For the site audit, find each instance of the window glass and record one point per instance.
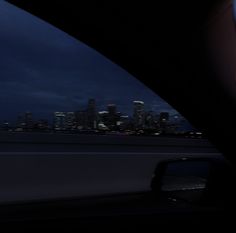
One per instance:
(52, 83)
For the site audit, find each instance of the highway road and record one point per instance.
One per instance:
(40, 166)
(49, 142)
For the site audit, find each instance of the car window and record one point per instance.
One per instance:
(74, 124)
(51, 83)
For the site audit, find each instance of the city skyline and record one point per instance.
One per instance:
(99, 108)
(56, 72)
(142, 121)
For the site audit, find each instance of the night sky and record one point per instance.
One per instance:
(43, 70)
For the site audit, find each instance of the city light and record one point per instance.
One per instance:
(105, 121)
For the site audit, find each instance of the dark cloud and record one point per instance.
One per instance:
(43, 69)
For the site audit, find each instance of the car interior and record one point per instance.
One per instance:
(185, 51)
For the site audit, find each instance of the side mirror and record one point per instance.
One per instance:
(193, 180)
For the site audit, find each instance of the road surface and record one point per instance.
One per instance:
(43, 166)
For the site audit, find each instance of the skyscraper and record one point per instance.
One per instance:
(59, 121)
(149, 120)
(164, 120)
(139, 114)
(112, 116)
(91, 114)
(124, 122)
(164, 116)
(20, 123)
(70, 121)
(28, 121)
(111, 108)
(81, 119)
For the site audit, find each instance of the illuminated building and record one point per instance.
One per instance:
(70, 120)
(41, 125)
(139, 114)
(91, 114)
(59, 121)
(81, 120)
(164, 120)
(112, 116)
(164, 117)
